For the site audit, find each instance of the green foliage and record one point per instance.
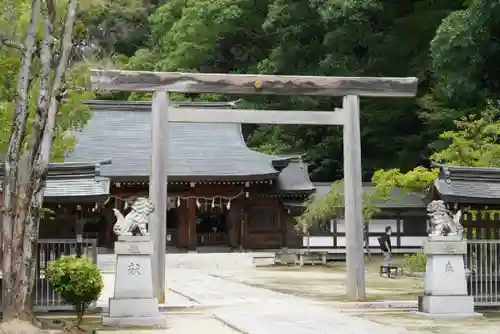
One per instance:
(208, 35)
(416, 180)
(115, 27)
(473, 142)
(464, 49)
(77, 280)
(331, 206)
(72, 113)
(451, 46)
(415, 263)
(346, 37)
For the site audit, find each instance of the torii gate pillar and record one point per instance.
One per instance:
(158, 190)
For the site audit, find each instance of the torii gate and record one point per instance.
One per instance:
(160, 83)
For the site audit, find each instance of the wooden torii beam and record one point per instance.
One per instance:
(141, 81)
(250, 116)
(350, 87)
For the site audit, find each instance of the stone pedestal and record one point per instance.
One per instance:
(133, 302)
(445, 292)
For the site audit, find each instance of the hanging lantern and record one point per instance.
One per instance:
(213, 203)
(178, 202)
(228, 206)
(198, 204)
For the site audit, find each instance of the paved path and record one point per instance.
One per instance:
(173, 300)
(254, 310)
(205, 261)
(192, 280)
(187, 324)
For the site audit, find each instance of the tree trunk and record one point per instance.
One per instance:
(24, 178)
(38, 172)
(47, 106)
(15, 281)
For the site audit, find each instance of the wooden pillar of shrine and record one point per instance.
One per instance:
(243, 228)
(110, 219)
(283, 219)
(191, 224)
(182, 232)
(186, 233)
(245, 205)
(234, 223)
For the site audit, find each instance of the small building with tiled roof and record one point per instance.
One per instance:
(404, 213)
(72, 190)
(475, 190)
(468, 186)
(221, 192)
(74, 182)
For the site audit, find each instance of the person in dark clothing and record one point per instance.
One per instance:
(386, 247)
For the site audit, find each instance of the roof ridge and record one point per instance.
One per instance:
(72, 169)
(469, 173)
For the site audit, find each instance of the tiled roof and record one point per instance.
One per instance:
(120, 132)
(61, 189)
(295, 178)
(397, 199)
(72, 182)
(468, 185)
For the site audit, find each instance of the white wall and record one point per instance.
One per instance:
(341, 242)
(318, 241)
(327, 241)
(375, 225)
(413, 241)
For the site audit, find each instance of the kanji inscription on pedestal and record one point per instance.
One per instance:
(134, 269)
(449, 268)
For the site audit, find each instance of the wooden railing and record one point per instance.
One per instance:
(212, 239)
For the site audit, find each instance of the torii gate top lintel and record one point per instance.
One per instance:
(252, 84)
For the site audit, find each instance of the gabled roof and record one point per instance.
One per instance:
(74, 182)
(295, 178)
(467, 185)
(397, 199)
(120, 131)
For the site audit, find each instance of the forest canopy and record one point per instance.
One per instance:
(451, 46)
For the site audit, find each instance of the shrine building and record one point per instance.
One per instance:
(220, 192)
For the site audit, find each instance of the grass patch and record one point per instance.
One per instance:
(328, 282)
(88, 325)
(493, 315)
(65, 323)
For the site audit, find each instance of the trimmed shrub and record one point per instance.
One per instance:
(77, 280)
(415, 263)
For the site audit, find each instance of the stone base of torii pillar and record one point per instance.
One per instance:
(133, 302)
